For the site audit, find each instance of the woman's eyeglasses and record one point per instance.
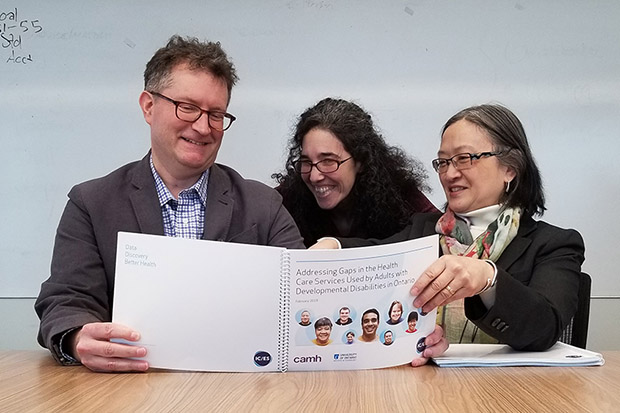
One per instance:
(304, 166)
(461, 161)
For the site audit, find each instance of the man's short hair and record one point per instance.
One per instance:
(371, 310)
(206, 56)
(321, 322)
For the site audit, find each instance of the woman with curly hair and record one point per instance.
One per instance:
(342, 179)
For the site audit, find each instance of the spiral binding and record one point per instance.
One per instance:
(284, 311)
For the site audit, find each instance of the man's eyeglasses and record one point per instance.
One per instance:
(325, 166)
(461, 161)
(189, 112)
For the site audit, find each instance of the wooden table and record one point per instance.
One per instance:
(30, 381)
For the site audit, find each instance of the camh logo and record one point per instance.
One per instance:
(307, 359)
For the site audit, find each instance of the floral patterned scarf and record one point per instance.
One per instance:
(456, 239)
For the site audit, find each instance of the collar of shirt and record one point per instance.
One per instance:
(480, 219)
(164, 194)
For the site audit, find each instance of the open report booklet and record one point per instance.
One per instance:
(502, 355)
(215, 306)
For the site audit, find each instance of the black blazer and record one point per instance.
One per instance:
(537, 282)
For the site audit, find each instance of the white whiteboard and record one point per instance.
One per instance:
(70, 113)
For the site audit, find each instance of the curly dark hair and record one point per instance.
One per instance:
(387, 188)
(207, 56)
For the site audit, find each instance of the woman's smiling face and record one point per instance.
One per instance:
(481, 185)
(397, 311)
(329, 189)
(322, 334)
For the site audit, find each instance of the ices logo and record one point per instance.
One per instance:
(421, 346)
(262, 358)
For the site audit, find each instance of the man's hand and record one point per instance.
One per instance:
(91, 346)
(436, 345)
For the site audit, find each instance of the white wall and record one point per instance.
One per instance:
(71, 113)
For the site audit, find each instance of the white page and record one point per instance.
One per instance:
(490, 355)
(199, 305)
(323, 281)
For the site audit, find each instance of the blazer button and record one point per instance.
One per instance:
(495, 322)
(505, 328)
(500, 325)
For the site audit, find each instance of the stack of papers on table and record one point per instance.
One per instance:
(496, 355)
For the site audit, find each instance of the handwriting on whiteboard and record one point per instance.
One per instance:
(12, 27)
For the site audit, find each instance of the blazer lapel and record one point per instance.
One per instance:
(144, 200)
(429, 227)
(518, 245)
(219, 210)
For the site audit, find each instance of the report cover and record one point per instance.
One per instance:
(215, 306)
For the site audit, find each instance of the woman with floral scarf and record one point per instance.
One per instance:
(503, 276)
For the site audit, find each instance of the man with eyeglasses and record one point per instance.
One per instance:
(177, 189)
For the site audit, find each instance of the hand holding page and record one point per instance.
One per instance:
(215, 306)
